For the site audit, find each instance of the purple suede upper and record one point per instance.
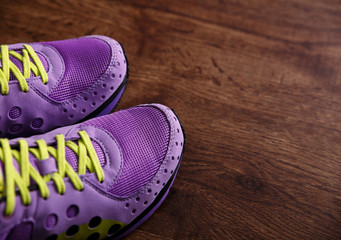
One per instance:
(139, 149)
(83, 74)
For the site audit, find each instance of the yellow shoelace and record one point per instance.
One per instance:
(12, 181)
(7, 65)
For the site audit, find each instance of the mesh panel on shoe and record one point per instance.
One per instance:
(14, 112)
(50, 221)
(143, 135)
(86, 59)
(37, 122)
(72, 211)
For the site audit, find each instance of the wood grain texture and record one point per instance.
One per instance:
(257, 85)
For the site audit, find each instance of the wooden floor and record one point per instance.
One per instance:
(257, 85)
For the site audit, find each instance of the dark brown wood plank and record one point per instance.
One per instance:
(257, 85)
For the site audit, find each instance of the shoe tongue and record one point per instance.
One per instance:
(19, 64)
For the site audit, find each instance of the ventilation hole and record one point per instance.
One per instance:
(72, 230)
(113, 75)
(172, 157)
(149, 190)
(155, 194)
(114, 228)
(163, 184)
(120, 76)
(51, 221)
(127, 205)
(133, 211)
(72, 211)
(175, 118)
(118, 64)
(94, 236)
(145, 203)
(158, 182)
(52, 237)
(178, 130)
(138, 199)
(74, 105)
(93, 104)
(176, 143)
(15, 128)
(95, 221)
(37, 123)
(120, 51)
(111, 88)
(64, 110)
(83, 110)
(95, 93)
(102, 96)
(85, 98)
(124, 61)
(178, 157)
(15, 112)
(165, 170)
(71, 116)
(181, 143)
(104, 85)
(172, 172)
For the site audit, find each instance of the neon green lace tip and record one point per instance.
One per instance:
(8, 66)
(19, 180)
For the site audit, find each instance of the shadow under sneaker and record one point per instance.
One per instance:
(99, 179)
(52, 84)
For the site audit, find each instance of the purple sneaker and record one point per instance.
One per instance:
(52, 84)
(99, 179)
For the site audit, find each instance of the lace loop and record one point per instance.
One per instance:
(7, 65)
(12, 178)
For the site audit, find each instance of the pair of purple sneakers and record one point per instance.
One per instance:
(86, 176)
